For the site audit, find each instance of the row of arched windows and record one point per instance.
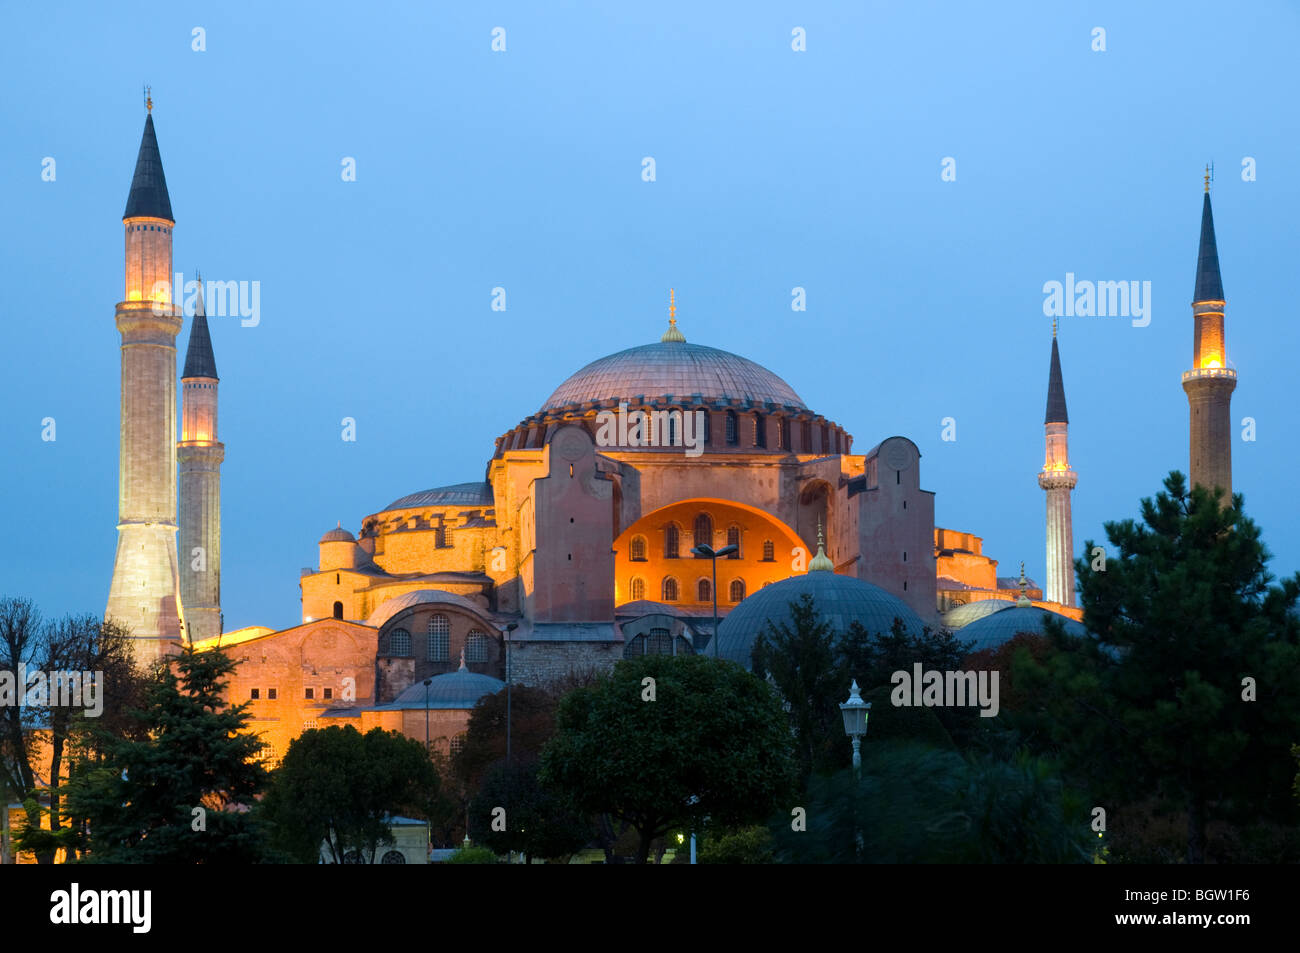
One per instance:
(438, 645)
(670, 591)
(703, 536)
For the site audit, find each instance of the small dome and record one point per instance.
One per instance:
(457, 494)
(457, 690)
(1000, 627)
(841, 600)
(959, 616)
(338, 535)
(673, 368)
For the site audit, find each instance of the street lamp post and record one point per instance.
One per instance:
(855, 712)
(708, 553)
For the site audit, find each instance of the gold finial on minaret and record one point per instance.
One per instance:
(1209, 173)
(148, 99)
(1053, 327)
(672, 334)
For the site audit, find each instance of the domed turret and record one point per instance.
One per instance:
(339, 550)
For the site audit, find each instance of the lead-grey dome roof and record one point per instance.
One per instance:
(840, 600)
(673, 368)
(1001, 627)
(457, 494)
(456, 690)
(963, 615)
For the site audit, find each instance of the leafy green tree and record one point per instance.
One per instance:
(532, 724)
(182, 794)
(1191, 693)
(918, 804)
(472, 855)
(665, 741)
(748, 845)
(336, 788)
(538, 822)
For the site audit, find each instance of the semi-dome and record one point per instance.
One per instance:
(959, 616)
(840, 601)
(457, 494)
(998, 628)
(457, 690)
(420, 597)
(673, 369)
(338, 535)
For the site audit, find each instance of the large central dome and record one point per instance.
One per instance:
(673, 369)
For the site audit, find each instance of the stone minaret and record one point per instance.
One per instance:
(200, 455)
(1210, 382)
(1057, 479)
(145, 594)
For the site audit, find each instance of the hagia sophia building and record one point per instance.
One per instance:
(578, 547)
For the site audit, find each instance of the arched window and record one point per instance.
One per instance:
(634, 646)
(703, 435)
(805, 436)
(393, 857)
(476, 646)
(731, 428)
(769, 551)
(733, 539)
(636, 552)
(338, 610)
(703, 530)
(826, 439)
(457, 743)
(737, 590)
(399, 643)
(783, 433)
(439, 638)
(673, 416)
(670, 541)
(704, 591)
(760, 431)
(670, 589)
(660, 643)
(638, 588)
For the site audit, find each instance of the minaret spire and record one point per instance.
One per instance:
(1210, 382)
(200, 454)
(145, 592)
(1058, 480)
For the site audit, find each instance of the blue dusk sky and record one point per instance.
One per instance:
(522, 169)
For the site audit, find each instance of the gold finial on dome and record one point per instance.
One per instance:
(672, 334)
(821, 562)
(1023, 602)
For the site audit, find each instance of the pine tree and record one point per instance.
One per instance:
(184, 793)
(1191, 693)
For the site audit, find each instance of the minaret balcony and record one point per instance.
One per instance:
(1208, 372)
(1052, 479)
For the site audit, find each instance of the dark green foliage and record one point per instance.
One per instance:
(336, 788)
(138, 804)
(748, 845)
(917, 804)
(472, 855)
(1186, 607)
(714, 742)
(538, 821)
(813, 671)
